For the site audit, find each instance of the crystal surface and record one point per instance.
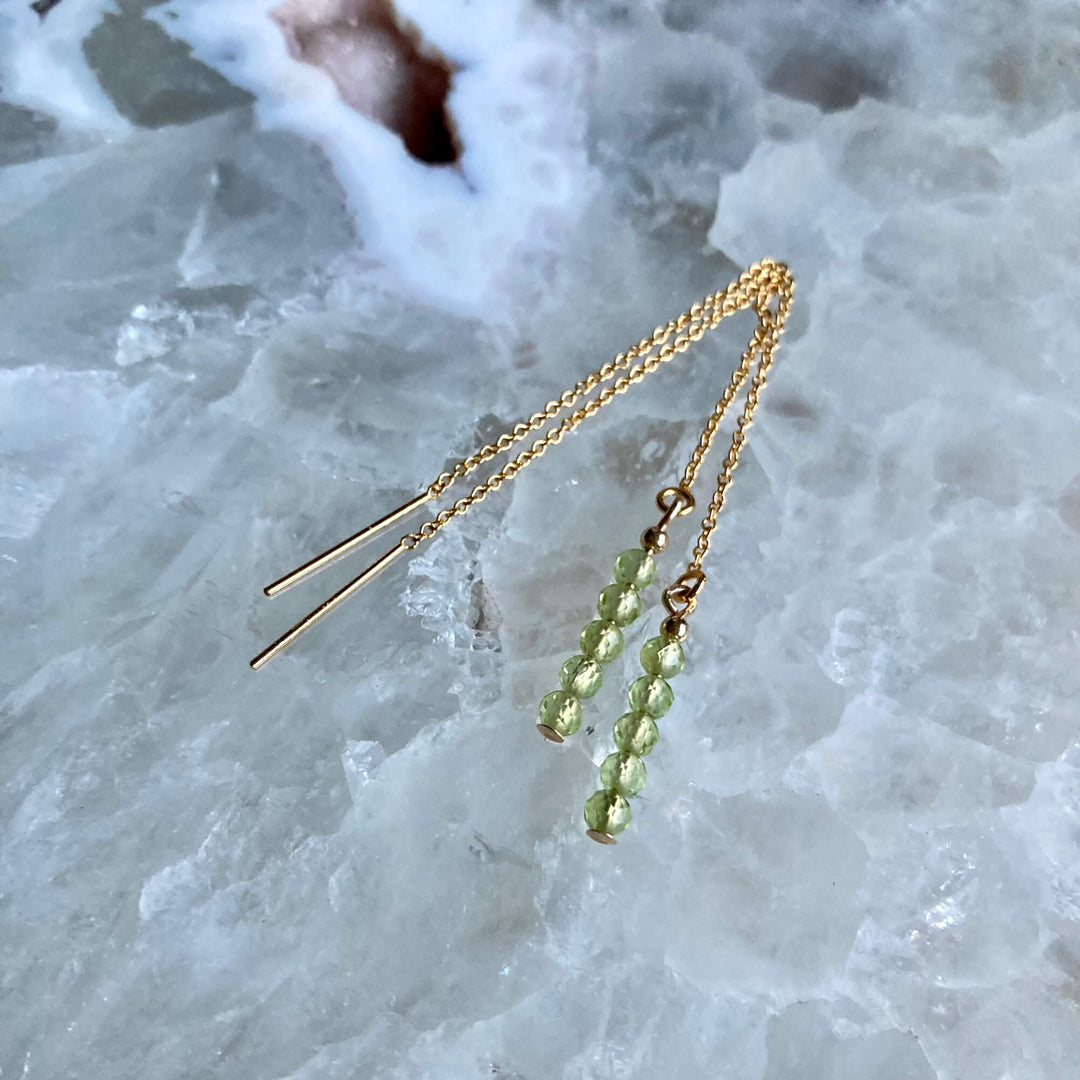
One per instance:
(239, 321)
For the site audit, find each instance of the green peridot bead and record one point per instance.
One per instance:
(561, 712)
(662, 656)
(619, 604)
(624, 773)
(635, 567)
(601, 641)
(636, 733)
(650, 694)
(581, 676)
(607, 812)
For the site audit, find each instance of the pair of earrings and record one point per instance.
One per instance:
(768, 289)
(622, 774)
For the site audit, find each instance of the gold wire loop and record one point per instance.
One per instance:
(675, 502)
(678, 503)
(680, 597)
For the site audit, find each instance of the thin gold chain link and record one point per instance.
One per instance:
(766, 340)
(757, 287)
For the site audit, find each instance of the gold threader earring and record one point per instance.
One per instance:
(768, 287)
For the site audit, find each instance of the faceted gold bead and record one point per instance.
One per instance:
(655, 539)
(581, 676)
(675, 628)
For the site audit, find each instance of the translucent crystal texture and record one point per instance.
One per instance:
(238, 321)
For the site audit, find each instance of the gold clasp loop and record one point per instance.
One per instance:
(680, 598)
(674, 502)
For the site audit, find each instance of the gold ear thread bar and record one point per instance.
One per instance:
(754, 289)
(327, 606)
(338, 551)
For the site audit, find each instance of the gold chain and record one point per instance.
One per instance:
(757, 287)
(761, 285)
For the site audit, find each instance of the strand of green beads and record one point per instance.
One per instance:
(622, 774)
(601, 641)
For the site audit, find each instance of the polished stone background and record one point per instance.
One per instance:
(238, 320)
